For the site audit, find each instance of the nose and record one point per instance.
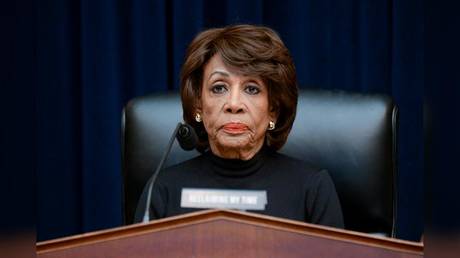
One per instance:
(234, 103)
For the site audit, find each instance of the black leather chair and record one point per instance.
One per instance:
(352, 135)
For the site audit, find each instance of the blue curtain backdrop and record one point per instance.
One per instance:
(95, 55)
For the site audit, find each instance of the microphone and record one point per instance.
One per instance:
(187, 139)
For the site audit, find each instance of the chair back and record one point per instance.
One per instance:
(352, 135)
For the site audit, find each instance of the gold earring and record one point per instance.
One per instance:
(198, 117)
(271, 125)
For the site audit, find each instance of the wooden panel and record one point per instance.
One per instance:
(227, 234)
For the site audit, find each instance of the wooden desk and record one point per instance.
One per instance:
(224, 233)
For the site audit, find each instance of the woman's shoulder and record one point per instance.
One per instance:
(294, 165)
(182, 171)
(189, 163)
(283, 160)
(292, 168)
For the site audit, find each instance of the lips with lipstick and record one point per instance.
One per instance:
(235, 128)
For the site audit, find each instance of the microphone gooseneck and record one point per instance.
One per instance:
(187, 139)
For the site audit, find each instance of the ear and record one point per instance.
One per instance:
(198, 108)
(273, 115)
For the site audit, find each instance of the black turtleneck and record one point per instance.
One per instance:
(295, 189)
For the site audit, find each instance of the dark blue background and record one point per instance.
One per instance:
(94, 55)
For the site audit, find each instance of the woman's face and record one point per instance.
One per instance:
(235, 110)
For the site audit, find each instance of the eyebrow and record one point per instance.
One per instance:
(218, 72)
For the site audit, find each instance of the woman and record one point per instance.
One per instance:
(239, 92)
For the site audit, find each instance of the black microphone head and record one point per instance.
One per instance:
(186, 136)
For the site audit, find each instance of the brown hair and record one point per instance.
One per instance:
(255, 51)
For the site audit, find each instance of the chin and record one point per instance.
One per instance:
(234, 142)
(234, 145)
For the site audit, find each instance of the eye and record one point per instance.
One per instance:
(218, 88)
(252, 89)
